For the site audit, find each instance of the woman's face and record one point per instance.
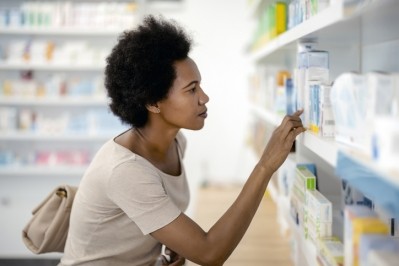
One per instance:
(184, 106)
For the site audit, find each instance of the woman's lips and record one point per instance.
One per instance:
(204, 114)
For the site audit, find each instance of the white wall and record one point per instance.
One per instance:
(221, 32)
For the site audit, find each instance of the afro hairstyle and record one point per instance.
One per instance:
(140, 68)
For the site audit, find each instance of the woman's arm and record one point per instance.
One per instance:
(185, 237)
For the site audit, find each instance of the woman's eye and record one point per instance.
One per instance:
(193, 89)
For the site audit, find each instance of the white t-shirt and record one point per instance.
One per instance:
(121, 199)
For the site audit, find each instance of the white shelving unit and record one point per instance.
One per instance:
(26, 137)
(37, 171)
(329, 16)
(64, 31)
(26, 180)
(53, 101)
(359, 37)
(51, 66)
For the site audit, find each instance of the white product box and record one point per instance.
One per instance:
(331, 250)
(351, 213)
(316, 229)
(381, 93)
(385, 146)
(312, 65)
(321, 117)
(319, 207)
(382, 258)
(348, 98)
(370, 242)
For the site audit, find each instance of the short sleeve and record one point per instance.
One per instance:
(136, 188)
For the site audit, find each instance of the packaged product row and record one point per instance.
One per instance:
(48, 158)
(52, 85)
(39, 51)
(367, 229)
(359, 110)
(277, 17)
(58, 14)
(89, 122)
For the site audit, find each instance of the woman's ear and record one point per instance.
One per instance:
(153, 109)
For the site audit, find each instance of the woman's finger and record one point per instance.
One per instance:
(298, 112)
(289, 126)
(289, 118)
(294, 133)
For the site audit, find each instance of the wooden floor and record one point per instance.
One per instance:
(261, 245)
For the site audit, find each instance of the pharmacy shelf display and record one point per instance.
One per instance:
(64, 31)
(52, 95)
(359, 36)
(52, 66)
(54, 112)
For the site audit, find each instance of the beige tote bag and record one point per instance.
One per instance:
(47, 230)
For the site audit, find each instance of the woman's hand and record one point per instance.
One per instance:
(281, 141)
(175, 259)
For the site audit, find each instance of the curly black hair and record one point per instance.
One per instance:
(140, 69)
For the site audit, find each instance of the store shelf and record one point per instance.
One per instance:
(362, 36)
(53, 101)
(336, 25)
(52, 66)
(266, 115)
(308, 250)
(22, 136)
(328, 150)
(376, 183)
(331, 15)
(325, 148)
(62, 31)
(389, 175)
(61, 132)
(25, 170)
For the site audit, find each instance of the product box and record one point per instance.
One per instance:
(381, 93)
(286, 176)
(305, 178)
(349, 104)
(290, 97)
(315, 229)
(297, 202)
(385, 148)
(280, 98)
(369, 242)
(331, 250)
(352, 196)
(321, 118)
(372, 225)
(280, 17)
(319, 207)
(382, 258)
(313, 65)
(359, 220)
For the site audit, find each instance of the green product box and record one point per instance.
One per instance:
(306, 178)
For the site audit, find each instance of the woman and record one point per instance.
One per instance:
(133, 196)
